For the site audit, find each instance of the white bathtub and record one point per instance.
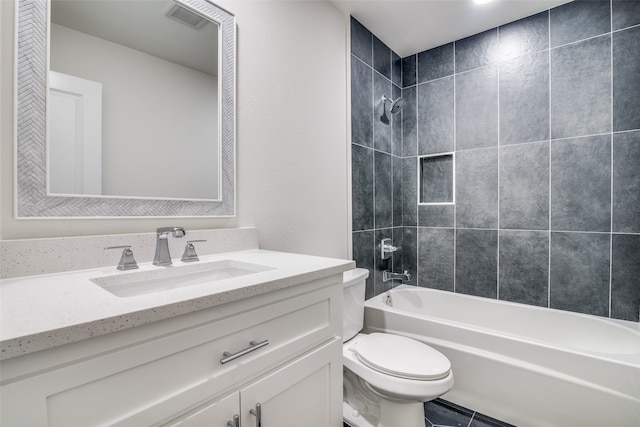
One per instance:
(525, 365)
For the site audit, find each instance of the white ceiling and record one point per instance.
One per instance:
(412, 26)
(142, 25)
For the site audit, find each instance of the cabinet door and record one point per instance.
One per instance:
(215, 414)
(307, 391)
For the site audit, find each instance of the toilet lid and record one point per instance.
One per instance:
(401, 357)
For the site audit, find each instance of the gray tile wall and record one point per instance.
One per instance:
(378, 171)
(544, 117)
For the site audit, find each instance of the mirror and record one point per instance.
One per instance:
(133, 86)
(141, 109)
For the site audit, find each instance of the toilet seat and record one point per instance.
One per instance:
(401, 357)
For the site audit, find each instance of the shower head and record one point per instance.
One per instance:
(394, 106)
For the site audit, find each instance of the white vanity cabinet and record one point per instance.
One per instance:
(169, 372)
(297, 394)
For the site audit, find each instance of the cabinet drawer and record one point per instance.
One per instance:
(149, 382)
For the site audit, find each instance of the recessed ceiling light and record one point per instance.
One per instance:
(482, 1)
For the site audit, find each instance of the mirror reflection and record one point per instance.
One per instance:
(133, 100)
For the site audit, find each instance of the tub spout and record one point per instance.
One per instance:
(388, 275)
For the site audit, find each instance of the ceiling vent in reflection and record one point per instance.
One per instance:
(184, 15)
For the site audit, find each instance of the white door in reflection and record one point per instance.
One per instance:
(75, 135)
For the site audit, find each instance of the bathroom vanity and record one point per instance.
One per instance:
(261, 348)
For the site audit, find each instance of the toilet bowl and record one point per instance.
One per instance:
(386, 377)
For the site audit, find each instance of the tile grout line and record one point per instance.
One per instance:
(612, 170)
(471, 419)
(373, 138)
(520, 56)
(374, 70)
(507, 145)
(498, 172)
(373, 162)
(418, 181)
(401, 151)
(418, 178)
(549, 159)
(455, 140)
(615, 233)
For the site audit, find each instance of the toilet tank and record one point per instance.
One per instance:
(353, 287)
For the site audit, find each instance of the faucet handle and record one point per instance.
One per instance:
(164, 232)
(387, 249)
(127, 261)
(190, 254)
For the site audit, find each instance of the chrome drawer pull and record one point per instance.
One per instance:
(228, 357)
(258, 414)
(235, 422)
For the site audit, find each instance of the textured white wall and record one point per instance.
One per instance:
(292, 141)
(291, 133)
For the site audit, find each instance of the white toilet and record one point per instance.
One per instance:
(386, 377)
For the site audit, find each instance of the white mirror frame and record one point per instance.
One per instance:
(32, 200)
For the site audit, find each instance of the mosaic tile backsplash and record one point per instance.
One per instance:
(543, 115)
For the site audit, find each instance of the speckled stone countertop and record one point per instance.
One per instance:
(45, 311)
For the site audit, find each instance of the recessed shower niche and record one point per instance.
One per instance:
(436, 179)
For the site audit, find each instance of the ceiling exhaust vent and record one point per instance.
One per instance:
(184, 15)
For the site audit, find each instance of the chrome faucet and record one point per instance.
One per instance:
(388, 275)
(162, 256)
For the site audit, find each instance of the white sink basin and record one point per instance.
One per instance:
(162, 279)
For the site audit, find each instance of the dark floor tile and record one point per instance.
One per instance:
(477, 188)
(579, 272)
(381, 58)
(442, 413)
(480, 420)
(626, 182)
(383, 190)
(476, 51)
(626, 79)
(524, 186)
(581, 184)
(436, 113)
(477, 262)
(625, 277)
(477, 109)
(361, 103)
(625, 13)
(409, 71)
(435, 266)
(435, 63)
(362, 187)
(581, 88)
(361, 41)
(524, 36)
(579, 20)
(524, 99)
(524, 267)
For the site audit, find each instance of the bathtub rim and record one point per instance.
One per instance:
(631, 359)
